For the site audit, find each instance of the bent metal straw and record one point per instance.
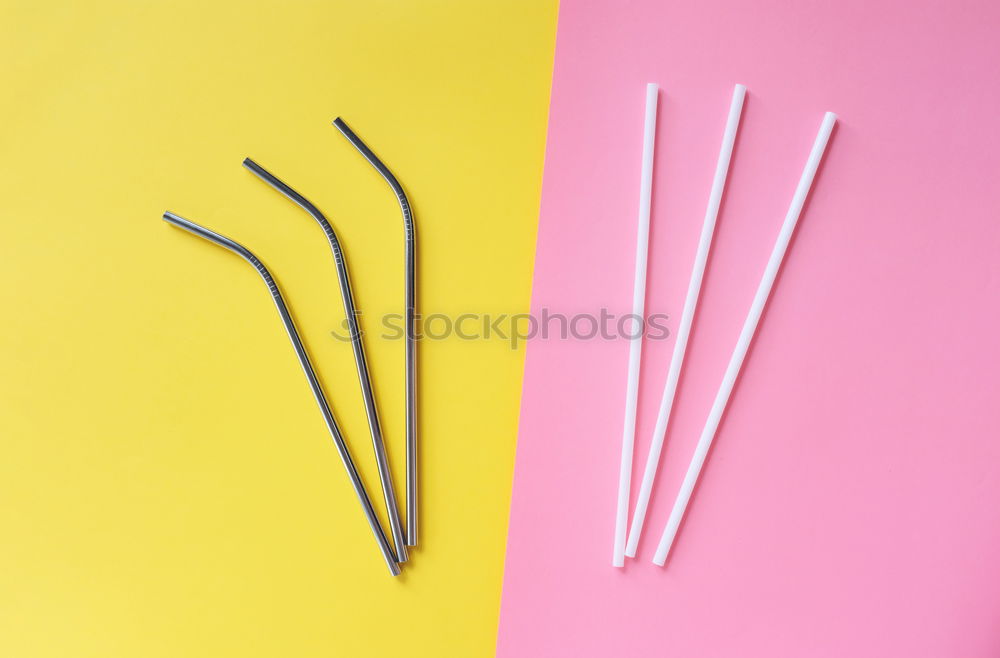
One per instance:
(411, 326)
(378, 443)
(303, 356)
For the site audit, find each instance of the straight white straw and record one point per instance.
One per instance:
(687, 317)
(746, 335)
(637, 324)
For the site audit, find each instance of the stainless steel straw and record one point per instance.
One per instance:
(411, 329)
(378, 443)
(300, 352)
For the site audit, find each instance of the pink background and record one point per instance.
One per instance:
(851, 504)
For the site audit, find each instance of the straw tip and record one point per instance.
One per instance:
(659, 561)
(248, 162)
(830, 117)
(740, 89)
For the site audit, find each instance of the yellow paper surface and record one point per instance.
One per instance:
(167, 485)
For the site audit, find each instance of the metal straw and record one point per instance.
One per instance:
(378, 443)
(300, 352)
(411, 329)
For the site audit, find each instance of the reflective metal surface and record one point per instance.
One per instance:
(411, 345)
(360, 361)
(300, 352)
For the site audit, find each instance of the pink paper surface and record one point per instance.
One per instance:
(851, 503)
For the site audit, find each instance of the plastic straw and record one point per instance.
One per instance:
(746, 335)
(638, 324)
(687, 317)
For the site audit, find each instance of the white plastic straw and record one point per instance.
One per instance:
(637, 324)
(746, 335)
(687, 317)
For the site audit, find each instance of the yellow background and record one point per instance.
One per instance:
(167, 485)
